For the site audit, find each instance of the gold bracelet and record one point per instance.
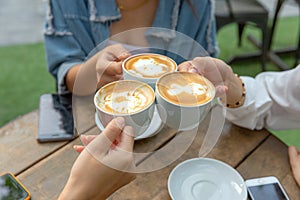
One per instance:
(242, 99)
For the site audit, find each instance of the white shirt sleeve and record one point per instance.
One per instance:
(272, 101)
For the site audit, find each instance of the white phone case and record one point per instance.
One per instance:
(263, 181)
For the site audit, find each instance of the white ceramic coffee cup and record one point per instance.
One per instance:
(139, 119)
(154, 71)
(182, 116)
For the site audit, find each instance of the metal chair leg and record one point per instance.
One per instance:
(241, 27)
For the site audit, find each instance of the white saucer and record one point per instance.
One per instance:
(206, 178)
(154, 127)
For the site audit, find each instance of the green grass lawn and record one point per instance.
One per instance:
(24, 76)
(23, 79)
(285, 35)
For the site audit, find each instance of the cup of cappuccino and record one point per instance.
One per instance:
(147, 67)
(183, 99)
(130, 99)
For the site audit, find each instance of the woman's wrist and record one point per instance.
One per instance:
(71, 77)
(81, 79)
(236, 93)
(77, 188)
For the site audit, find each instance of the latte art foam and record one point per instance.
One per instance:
(125, 98)
(195, 89)
(124, 102)
(185, 89)
(150, 65)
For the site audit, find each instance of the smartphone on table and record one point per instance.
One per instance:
(55, 118)
(266, 188)
(12, 188)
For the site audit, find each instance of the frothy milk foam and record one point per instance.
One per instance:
(125, 97)
(150, 65)
(185, 89)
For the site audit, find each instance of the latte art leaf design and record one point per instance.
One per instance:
(125, 102)
(185, 88)
(149, 67)
(192, 88)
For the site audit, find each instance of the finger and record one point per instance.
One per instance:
(107, 79)
(78, 148)
(123, 56)
(293, 155)
(194, 70)
(118, 51)
(295, 163)
(199, 64)
(114, 68)
(208, 67)
(108, 67)
(185, 66)
(221, 90)
(86, 139)
(127, 140)
(119, 77)
(103, 142)
(114, 128)
(116, 142)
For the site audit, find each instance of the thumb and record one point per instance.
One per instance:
(86, 139)
(114, 128)
(127, 140)
(101, 144)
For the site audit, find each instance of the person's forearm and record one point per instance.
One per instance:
(82, 79)
(79, 190)
(71, 77)
(70, 192)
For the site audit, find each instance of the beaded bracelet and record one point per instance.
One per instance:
(242, 100)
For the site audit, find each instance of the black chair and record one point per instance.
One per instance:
(298, 48)
(244, 12)
(274, 54)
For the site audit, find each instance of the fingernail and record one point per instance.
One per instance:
(125, 54)
(84, 137)
(75, 147)
(193, 70)
(120, 122)
(221, 89)
(128, 130)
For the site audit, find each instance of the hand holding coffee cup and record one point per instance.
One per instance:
(147, 67)
(130, 99)
(183, 99)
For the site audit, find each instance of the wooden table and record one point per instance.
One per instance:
(44, 168)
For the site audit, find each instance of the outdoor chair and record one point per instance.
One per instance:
(244, 12)
(298, 48)
(273, 55)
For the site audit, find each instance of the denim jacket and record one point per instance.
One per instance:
(74, 28)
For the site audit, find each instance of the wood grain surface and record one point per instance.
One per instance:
(44, 168)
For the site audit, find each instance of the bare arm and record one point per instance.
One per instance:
(102, 68)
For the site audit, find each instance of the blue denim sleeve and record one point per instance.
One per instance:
(211, 39)
(198, 23)
(207, 30)
(63, 51)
